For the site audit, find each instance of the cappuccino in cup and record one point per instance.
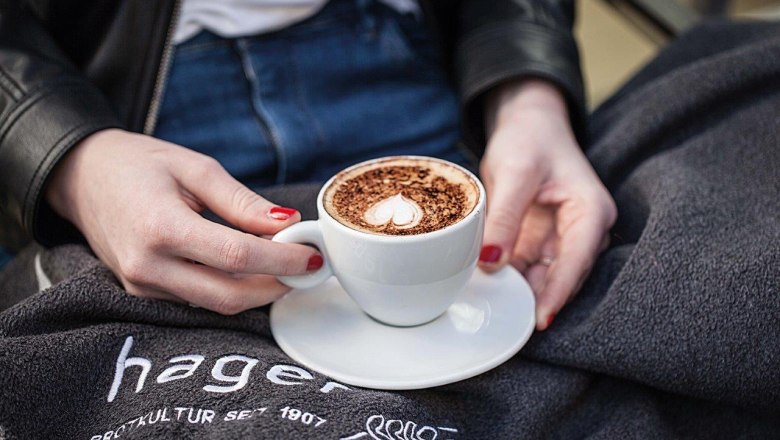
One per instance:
(401, 234)
(401, 196)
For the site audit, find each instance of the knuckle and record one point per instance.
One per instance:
(606, 211)
(158, 233)
(235, 255)
(611, 211)
(505, 220)
(135, 269)
(207, 168)
(601, 206)
(134, 291)
(246, 202)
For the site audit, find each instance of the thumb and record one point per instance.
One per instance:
(508, 200)
(212, 185)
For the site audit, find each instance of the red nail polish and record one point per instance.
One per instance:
(280, 213)
(315, 262)
(490, 254)
(550, 320)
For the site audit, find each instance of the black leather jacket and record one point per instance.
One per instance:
(69, 68)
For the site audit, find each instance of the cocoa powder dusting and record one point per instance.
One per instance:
(443, 202)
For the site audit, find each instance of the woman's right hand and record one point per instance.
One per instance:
(137, 201)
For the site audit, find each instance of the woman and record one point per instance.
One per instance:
(135, 198)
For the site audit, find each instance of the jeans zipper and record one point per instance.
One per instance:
(162, 72)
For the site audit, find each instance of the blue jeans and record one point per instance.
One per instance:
(356, 81)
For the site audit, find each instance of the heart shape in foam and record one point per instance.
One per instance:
(403, 212)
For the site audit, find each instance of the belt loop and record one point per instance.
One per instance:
(367, 18)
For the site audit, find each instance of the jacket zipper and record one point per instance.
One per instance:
(162, 72)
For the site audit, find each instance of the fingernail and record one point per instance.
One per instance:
(281, 213)
(550, 320)
(490, 254)
(315, 262)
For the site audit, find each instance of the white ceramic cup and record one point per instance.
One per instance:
(401, 280)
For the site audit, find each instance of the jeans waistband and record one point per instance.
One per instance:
(360, 13)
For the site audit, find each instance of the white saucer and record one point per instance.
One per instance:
(323, 329)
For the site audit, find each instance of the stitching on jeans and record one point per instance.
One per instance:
(259, 111)
(413, 54)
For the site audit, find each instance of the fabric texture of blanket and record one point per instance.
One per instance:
(675, 335)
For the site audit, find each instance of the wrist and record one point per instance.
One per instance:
(516, 102)
(61, 189)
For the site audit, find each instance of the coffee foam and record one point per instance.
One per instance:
(402, 212)
(401, 196)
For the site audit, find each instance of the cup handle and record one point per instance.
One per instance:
(307, 232)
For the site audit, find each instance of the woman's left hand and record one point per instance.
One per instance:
(548, 212)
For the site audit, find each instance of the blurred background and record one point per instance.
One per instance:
(617, 37)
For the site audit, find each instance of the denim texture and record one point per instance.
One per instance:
(356, 81)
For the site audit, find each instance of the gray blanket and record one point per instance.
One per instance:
(675, 335)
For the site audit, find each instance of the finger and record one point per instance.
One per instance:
(521, 263)
(508, 202)
(223, 293)
(211, 184)
(233, 251)
(536, 275)
(527, 253)
(605, 243)
(578, 250)
(135, 284)
(150, 293)
(537, 239)
(211, 288)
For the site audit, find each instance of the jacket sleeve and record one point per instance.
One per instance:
(499, 40)
(46, 107)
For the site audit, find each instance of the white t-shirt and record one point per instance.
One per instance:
(237, 18)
